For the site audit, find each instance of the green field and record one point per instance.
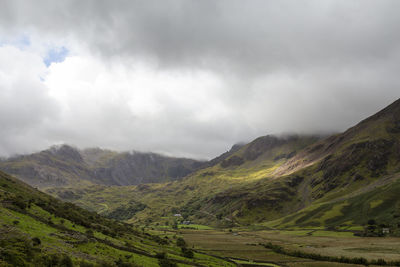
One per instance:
(245, 246)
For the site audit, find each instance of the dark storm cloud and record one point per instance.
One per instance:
(256, 36)
(300, 66)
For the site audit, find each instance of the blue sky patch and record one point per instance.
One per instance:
(21, 42)
(56, 54)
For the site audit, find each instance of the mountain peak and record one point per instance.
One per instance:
(66, 151)
(392, 112)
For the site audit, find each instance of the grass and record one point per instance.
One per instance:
(335, 211)
(255, 263)
(106, 252)
(195, 226)
(29, 225)
(375, 203)
(333, 234)
(296, 232)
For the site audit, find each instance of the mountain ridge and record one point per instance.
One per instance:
(65, 165)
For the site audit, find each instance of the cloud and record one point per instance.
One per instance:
(25, 106)
(137, 107)
(193, 77)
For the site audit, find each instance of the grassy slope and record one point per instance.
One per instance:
(28, 215)
(380, 203)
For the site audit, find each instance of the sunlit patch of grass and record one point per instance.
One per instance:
(195, 226)
(295, 232)
(333, 234)
(375, 203)
(105, 252)
(28, 225)
(255, 263)
(334, 212)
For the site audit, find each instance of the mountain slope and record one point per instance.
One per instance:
(379, 131)
(38, 230)
(64, 165)
(332, 170)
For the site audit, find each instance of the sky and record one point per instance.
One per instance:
(190, 78)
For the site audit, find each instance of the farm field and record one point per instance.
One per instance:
(245, 245)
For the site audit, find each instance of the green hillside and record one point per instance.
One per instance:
(38, 230)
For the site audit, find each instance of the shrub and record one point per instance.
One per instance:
(166, 263)
(180, 242)
(187, 253)
(36, 241)
(66, 261)
(19, 203)
(89, 233)
(85, 264)
(161, 255)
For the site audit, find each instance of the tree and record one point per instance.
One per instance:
(180, 242)
(36, 241)
(66, 261)
(187, 253)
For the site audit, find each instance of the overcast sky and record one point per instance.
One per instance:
(190, 78)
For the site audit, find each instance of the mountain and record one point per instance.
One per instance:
(65, 165)
(343, 180)
(253, 162)
(323, 183)
(223, 156)
(38, 230)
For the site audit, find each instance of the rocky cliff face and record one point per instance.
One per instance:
(136, 168)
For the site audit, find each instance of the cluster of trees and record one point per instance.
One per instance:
(163, 261)
(186, 252)
(374, 229)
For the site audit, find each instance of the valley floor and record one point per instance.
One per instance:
(245, 245)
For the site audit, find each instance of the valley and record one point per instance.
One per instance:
(290, 200)
(184, 133)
